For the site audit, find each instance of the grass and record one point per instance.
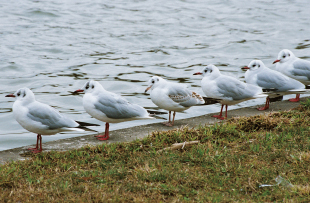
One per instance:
(232, 160)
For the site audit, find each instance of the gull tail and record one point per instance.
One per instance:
(209, 101)
(153, 112)
(300, 91)
(72, 129)
(260, 95)
(82, 126)
(269, 90)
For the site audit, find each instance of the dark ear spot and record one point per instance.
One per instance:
(210, 71)
(157, 79)
(92, 86)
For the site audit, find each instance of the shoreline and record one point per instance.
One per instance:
(138, 132)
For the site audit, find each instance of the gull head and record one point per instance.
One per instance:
(209, 70)
(90, 87)
(255, 65)
(154, 82)
(23, 94)
(284, 56)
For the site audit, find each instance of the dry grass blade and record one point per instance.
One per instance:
(176, 146)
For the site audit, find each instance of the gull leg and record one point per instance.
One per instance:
(106, 133)
(167, 123)
(219, 116)
(266, 105)
(39, 137)
(222, 118)
(172, 123)
(37, 145)
(295, 99)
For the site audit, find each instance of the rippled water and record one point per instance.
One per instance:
(54, 47)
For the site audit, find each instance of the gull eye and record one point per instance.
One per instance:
(18, 94)
(153, 81)
(206, 70)
(253, 65)
(87, 86)
(283, 56)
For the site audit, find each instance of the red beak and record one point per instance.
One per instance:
(245, 68)
(10, 95)
(276, 61)
(79, 90)
(198, 73)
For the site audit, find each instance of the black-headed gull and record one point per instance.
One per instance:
(294, 67)
(230, 90)
(109, 107)
(258, 74)
(39, 118)
(172, 96)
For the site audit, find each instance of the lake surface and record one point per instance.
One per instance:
(53, 47)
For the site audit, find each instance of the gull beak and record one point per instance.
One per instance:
(10, 95)
(147, 89)
(198, 73)
(276, 61)
(79, 90)
(245, 68)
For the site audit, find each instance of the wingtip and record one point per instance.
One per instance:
(153, 112)
(83, 124)
(209, 100)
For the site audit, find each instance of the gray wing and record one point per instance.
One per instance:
(301, 68)
(235, 89)
(179, 93)
(271, 79)
(114, 106)
(49, 116)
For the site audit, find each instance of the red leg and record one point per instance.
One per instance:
(37, 145)
(168, 123)
(38, 150)
(106, 133)
(295, 99)
(222, 118)
(266, 105)
(171, 123)
(219, 116)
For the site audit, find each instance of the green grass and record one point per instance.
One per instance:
(232, 160)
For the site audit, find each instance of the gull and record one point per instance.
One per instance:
(230, 90)
(40, 118)
(258, 74)
(172, 96)
(294, 67)
(109, 107)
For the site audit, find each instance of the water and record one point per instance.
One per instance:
(54, 47)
